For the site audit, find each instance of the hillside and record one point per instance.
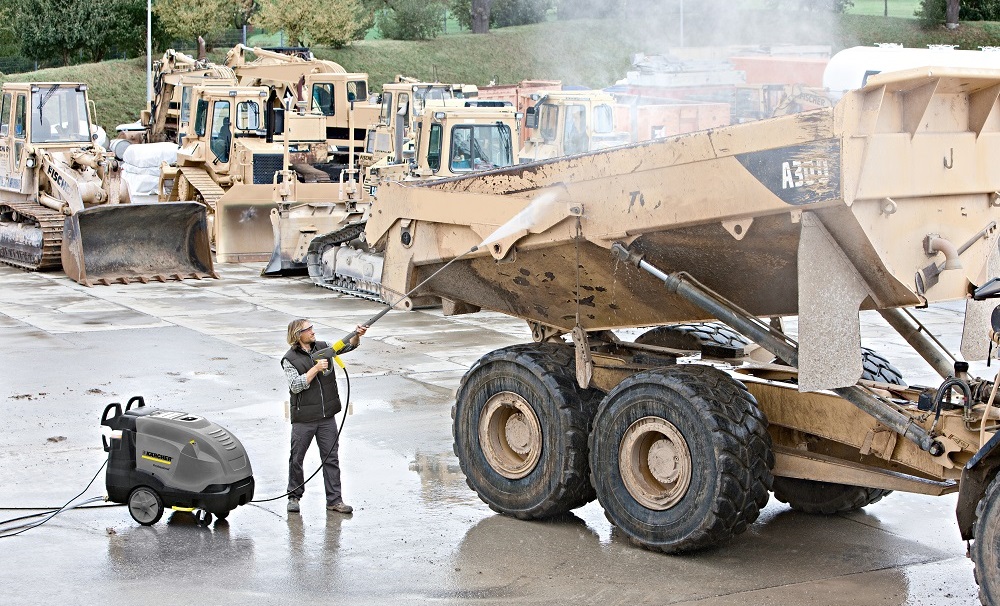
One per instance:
(591, 53)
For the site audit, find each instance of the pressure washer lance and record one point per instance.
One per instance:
(330, 353)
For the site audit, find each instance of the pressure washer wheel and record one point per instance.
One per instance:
(145, 505)
(204, 517)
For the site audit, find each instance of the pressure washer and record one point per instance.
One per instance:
(161, 458)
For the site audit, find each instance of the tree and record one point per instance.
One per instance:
(411, 19)
(51, 28)
(481, 16)
(312, 22)
(188, 19)
(932, 13)
(503, 13)
(951, 14)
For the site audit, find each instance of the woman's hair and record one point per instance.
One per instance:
(294, 328)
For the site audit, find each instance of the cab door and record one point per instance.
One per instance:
(17, 142)
(6, 139)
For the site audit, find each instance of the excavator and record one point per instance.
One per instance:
(63, 203)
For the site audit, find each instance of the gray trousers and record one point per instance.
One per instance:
(325, 432)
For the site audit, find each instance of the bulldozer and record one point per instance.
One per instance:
(63, 204)
(402, 102)
(886, 201)
(449, 141)
(297, 221)
(565, 122)
(237, 150)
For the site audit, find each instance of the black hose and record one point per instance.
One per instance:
(945, 390)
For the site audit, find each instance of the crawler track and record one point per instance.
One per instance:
(30, 236)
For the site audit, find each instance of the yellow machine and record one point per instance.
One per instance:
(886, 201)
(563, 123)
(62, 201)
(236, 152)
(449, 142)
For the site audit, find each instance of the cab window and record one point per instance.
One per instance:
(385, 114)
(575, 137)
(548, 122)
(59, 115)
(434, 148)
(201, 117)
(248, 116)
(221, 131)
(604, 121)
(185, 104)
(402, 109)
(357, 90)
(322, 98)
(480, 147)
(5, 116)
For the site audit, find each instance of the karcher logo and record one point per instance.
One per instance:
(157, 458)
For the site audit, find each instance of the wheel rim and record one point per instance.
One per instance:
(143, 505)
(510, 435)
(655, 463)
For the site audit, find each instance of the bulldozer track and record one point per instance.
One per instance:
(50, 222)
(340, 284)
(203, 184)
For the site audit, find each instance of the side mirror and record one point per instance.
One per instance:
(531, 118)
(279, 121)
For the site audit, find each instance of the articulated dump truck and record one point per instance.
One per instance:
(886, 201)
(63, 202)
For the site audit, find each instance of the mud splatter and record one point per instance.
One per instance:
(588, 301)
(96, 391)
(525, 272)
(521, 281)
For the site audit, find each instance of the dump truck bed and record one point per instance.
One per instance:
(886, 200)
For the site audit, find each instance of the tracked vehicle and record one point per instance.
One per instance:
(62, 202)
(885, 201)
(448, 141)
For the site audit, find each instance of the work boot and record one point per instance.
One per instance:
(340, 507)
(293, 505)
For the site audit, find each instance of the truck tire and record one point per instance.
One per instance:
(877, 368)
(693, 336)
(827, 498)
(681, 458)
(520, 429)
(985, 548)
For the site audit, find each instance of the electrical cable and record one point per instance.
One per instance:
(66, 507)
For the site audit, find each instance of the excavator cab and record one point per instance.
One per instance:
(62, 199)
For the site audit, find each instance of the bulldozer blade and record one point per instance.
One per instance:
(137, 243)
(243, 232)
(280, 262)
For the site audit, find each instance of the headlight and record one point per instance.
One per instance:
(30, 162)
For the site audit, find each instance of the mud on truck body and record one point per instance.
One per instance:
(886, 201)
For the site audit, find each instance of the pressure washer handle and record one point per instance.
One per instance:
(330, 355)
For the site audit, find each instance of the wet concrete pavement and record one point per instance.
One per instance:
(418, 534)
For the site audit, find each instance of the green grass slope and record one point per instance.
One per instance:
(590, 53)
